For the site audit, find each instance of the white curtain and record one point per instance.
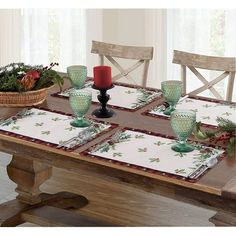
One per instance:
(230, 32)
(54, 35)
(42, 36)
(10, 36)
(202, 31)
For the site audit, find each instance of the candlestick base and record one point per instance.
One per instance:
(100, 113)
(103, 98)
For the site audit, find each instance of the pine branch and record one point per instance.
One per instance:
(231, 148)
(13, 77)
(226, 125)
(226, 132)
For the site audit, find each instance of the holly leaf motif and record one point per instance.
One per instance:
(117, 154)
(154, 159)
(142, 149)
(180, 154)
(39, 124)
(41, 113)
(159, 143)
(15, 127)
(70, 128)
(56, 119)
(180, 171)
(45, 132)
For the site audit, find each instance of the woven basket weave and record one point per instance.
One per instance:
(15, 99)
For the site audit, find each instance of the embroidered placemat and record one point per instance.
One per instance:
(152, 152)
(207, 110)
(51, 128)
(122, 96)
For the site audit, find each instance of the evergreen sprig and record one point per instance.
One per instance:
(225, 132)
(12, 75)
(226, 125)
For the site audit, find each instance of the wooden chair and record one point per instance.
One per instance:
(193, 61)
(143, 55)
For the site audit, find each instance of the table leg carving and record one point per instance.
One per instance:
(224, 219)
(11, 212)
(28, 175)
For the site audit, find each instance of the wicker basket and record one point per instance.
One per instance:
(15, 99)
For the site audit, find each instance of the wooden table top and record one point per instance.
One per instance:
(220, 177)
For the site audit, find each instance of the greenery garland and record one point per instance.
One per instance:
(226, 133)
(19, 77)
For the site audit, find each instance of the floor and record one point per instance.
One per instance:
(124, 206)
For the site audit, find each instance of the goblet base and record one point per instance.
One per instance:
(80, 123)
(182, 147)
(101, 113)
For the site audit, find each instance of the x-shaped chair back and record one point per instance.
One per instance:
(142, 55)
(193, 61)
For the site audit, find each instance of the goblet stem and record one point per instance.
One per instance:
(170, 109)
(182, 146)
(80, 122)
(183, 142)
(79, 118)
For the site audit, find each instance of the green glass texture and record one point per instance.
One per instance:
(182, 123)
(77, 75)
(172, 90)
(80, 101)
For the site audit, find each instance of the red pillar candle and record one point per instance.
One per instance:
(102, 77)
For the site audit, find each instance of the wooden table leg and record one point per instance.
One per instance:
(29, 175)
(224, 219)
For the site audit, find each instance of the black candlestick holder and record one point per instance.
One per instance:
(103, 98)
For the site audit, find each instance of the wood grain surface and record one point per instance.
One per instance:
(212, 182)
(209, 186)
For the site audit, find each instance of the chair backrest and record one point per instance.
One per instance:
(193, 61)
(143, 55)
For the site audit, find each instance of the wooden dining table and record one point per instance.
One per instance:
(32, 164)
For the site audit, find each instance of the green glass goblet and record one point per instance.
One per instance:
(182, 123)
(172, 90)
(77, 75)
(80, 101)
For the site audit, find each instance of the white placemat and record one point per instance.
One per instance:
(122, 96)
(154, 152)
(50, 127)
(206, 111)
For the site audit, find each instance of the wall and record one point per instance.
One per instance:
(124, 26)
(94, 31)
(139, 27)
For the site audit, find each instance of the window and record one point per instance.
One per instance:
(53, 35)
(202, 31)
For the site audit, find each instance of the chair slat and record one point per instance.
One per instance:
(127, 71)
(204, 62)
(230, 87)
(121, 51)
(204, 81)
(112, 51)
(193, 61)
